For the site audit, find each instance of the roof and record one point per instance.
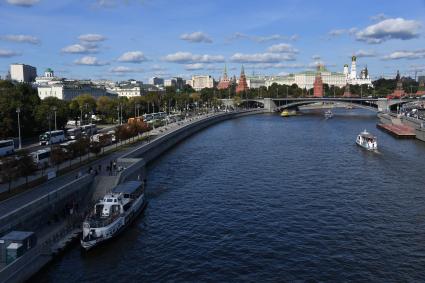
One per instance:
(127, 187)
(17, 235)
(367, 135)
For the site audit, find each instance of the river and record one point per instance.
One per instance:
(263, 198)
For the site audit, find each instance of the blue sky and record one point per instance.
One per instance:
(122, 39)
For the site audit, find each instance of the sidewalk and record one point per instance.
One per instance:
(103, 159)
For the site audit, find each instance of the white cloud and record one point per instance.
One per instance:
(21, 38)
(261, 57)
(396, 28)
(276, 66)
(8, 53)
(90, 61)
(187, 57)
(158, 68)
(23, 3)
(273, 37)
(282, 48)
(404, 54)
(316, 57)
(379, 17)
(197, 36)
(125, 70)
(194, 67)
(80, 49)
(364, 53)
(339, 32)
(132, 57)
(91, 37)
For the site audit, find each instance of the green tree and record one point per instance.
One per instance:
(11, 97)
(25, 165)
(9, 170)
(46, 110)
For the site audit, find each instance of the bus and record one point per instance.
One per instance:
(89, 129)
(147, 117)
(7, 147)
(52, 137)
(74, 133)
(41, 156)
(159, 116)
(66, 146)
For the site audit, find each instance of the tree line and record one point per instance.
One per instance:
(37, 115)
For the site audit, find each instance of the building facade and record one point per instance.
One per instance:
(306, 79)
(22, 73)
(69, 89)
(201, 82)
(128, 89)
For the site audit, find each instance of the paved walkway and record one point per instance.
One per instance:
(25, 197)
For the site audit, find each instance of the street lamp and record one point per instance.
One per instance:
(18, 110)
(86, 105)
(54, 109)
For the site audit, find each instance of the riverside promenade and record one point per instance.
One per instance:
(32, 210)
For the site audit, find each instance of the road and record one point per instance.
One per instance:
(22, 199)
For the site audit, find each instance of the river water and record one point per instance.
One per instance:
(267, 199)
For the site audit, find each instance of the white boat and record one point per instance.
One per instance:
(113, 213)
(328, 114)
(367, 141)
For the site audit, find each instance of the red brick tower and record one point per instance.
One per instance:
(398, 92)
(318, 85)
(242, 85)
(224, 81)
(347, 92)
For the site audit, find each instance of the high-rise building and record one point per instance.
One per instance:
(176, 82)
(242, 84)
(156, 81)
(23, 73)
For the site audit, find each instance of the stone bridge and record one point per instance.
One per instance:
(278, 104)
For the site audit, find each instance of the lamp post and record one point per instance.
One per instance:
(138, 109)
(18, 111)
(86, 105)
(55, 109)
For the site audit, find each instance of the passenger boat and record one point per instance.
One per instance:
(328, 114)
(367, 141)
(113, 213)
(286, 113)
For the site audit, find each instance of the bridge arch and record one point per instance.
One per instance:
(367, 106)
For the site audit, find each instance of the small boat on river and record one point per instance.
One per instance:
(286, 113)
(367, 141)
(328, 114)
(113, 213)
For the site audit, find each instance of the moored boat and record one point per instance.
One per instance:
(113, 213)
(367, 141)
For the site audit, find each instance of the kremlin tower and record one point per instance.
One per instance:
(318, 84)
(398, 92)
(242, 85)
(224, 81)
